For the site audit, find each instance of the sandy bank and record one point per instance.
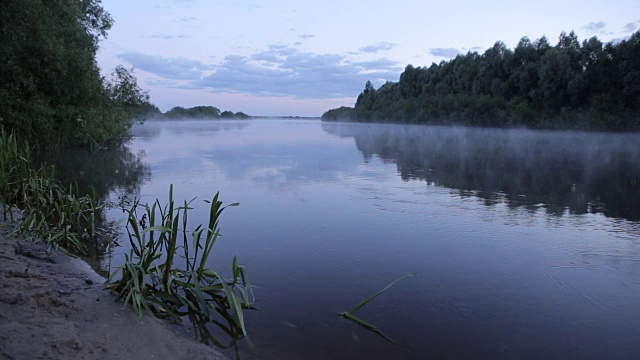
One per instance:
(54, 307)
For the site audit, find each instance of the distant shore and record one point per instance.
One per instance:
(53, 306)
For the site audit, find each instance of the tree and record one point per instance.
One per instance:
(196, 112)
(51, 91)
(536, 84)
(367, 97)
(124, 89)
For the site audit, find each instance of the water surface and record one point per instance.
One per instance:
(525, 243)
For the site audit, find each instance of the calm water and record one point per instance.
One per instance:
(526, 244)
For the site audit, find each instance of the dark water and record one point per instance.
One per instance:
(525, 243)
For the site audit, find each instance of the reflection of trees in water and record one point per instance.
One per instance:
(581, 172)
(113, 169)
(103, 170)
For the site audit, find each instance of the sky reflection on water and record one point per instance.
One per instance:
(522, 246)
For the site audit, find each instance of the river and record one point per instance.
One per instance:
(525, 244)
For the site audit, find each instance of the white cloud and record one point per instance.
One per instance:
(444, 52)
(280, 70)
(381, 46)
(630, 27)
(168, 68)
(382, 63)
(595, 27)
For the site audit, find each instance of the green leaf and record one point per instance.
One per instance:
(368, 300)
(369, 327)
(156, 228)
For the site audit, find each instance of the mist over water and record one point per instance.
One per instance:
(525, 243)
(579, 172)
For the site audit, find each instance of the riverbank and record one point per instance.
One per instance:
(54, 307)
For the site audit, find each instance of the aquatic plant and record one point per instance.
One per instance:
(14, 168)
(350, 313)
(57, 215)
(50, 212)
(151, 279)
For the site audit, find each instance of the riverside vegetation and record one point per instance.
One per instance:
(196, 112)
(592, 86)
(52, 93)
(52, 96)
(151, 277)
(150, 280)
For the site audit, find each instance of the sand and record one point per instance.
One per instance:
(53, 306)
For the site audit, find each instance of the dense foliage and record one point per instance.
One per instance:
(590, 85)
(200, 112)
(51, 90)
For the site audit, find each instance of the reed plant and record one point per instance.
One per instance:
(15, 167)
(349, 314)
(165, 273)
(58, 216)
(49, 211)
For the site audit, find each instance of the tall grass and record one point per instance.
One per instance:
(50, 212)
(165, 272)
(14, 169)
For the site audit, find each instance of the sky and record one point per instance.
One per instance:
(302, 58)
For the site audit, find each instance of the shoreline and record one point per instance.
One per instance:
(54, 306)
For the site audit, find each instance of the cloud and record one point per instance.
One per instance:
(382, 63)
(278, 70)
(286, 71)
(595, 27)
(444, 52)
(174, 69)
(162, 83)
(381, 46)
(630, 27)
(306, 36)
(618, 40)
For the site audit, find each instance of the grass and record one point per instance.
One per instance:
(152, 280)
(50, 212)
(14, 169)
(349, 314)
(164, 274)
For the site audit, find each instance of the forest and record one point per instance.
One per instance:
(590, 85)
(196, 112)
(51, 89)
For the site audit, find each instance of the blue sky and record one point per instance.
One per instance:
(282, 57)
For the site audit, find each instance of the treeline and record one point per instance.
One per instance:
(588, 85)
(51, 90)
(197, 112)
